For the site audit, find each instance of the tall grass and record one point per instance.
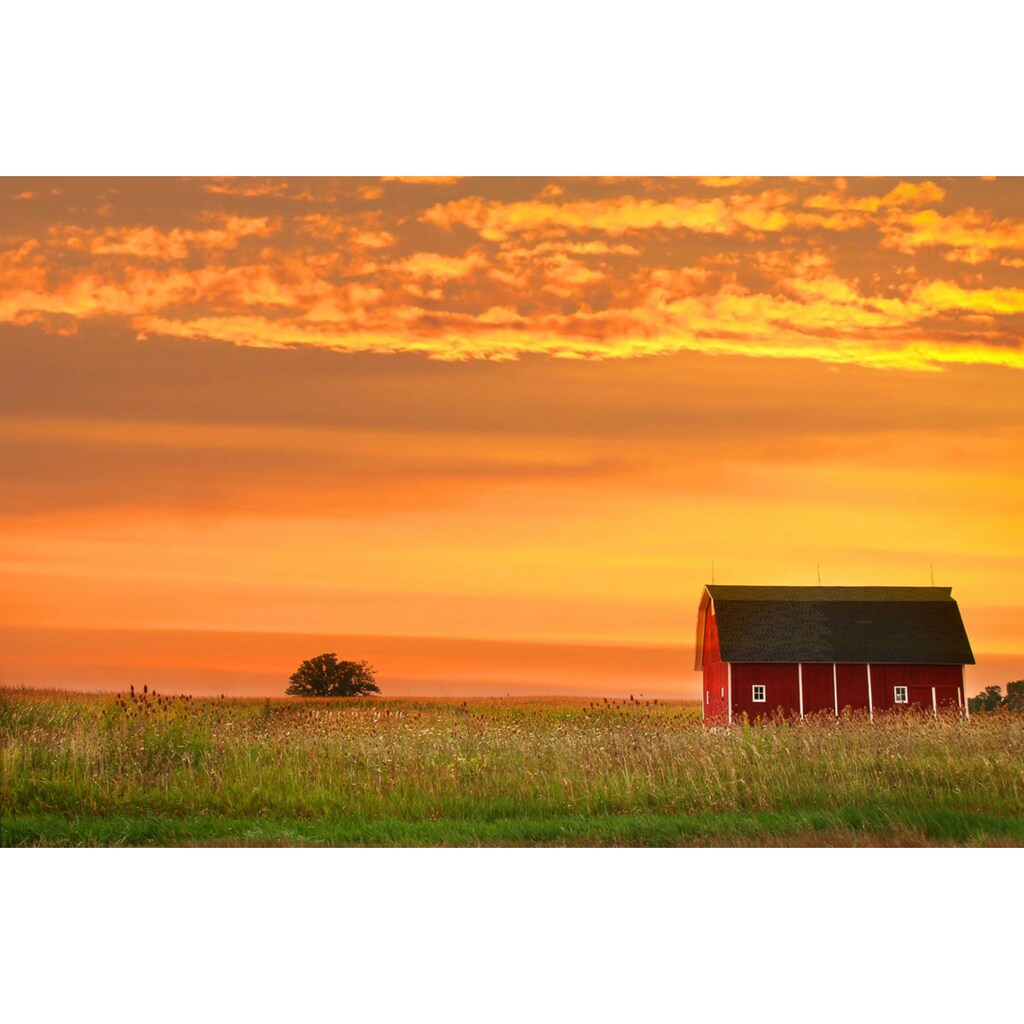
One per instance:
(178, 770)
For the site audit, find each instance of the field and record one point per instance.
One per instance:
(159, 770)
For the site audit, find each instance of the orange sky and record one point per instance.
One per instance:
(491, 433)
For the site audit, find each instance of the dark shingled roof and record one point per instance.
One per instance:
(881, 625)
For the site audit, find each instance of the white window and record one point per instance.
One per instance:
(759, 693)
(900, 694)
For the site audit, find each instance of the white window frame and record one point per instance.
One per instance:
(897, 699)
(764, 693)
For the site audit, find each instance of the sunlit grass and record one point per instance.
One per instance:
(155, 769)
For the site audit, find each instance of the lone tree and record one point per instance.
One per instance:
(325, 676)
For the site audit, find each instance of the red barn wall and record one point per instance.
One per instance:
(819, 691)
(781, 689)
(852, 684)
(919, 680)
(716, 674)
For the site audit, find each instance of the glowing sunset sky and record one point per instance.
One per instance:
(490, 433)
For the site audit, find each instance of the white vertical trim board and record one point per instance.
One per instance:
(800, 685)
(729, 685)
(963, 686)
(871, 706)
(935, 703)
(835, 688)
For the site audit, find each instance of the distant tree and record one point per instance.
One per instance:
(325, 676)
(988, 700)
(1014, 699)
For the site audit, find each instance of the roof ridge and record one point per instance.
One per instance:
(750, 592)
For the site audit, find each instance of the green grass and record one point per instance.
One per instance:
(101, 771)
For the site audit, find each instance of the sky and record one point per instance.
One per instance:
(492, 434)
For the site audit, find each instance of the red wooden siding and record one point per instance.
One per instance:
(781, 689)
(852, 681)
(819, 693)
(716, 675)
(919, 680)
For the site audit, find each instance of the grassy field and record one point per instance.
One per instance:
(92, 770)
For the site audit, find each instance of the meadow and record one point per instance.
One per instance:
(149, 769)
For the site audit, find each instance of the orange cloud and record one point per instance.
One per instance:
(727, 182)
(373, 239)
(826, 320)
(428, 180)
(441, 268)
(247, 187)
(767, 211)
(360, 232)
(904, 194)
(970, 236)
(946, 296)
(597, 276)
(496, 221)
(566, 276)
(580, 249)
(151, 243)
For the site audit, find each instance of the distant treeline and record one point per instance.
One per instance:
(992, 699)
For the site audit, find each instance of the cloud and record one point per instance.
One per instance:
(247, 187)
(902, 195)
(754, 269)
(947, 296)
(970, 236)
(355, 233)
(412, 180)
(438, 267)
(567, 276)
(152, 243)
(372, 239)
(825, 320)
(727, 182)
(581, 249)
(496, 221)
(771, 210)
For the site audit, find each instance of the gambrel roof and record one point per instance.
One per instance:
(880, 625)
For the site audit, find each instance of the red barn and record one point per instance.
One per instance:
(814, 649)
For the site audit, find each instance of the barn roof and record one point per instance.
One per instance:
(880, 625)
